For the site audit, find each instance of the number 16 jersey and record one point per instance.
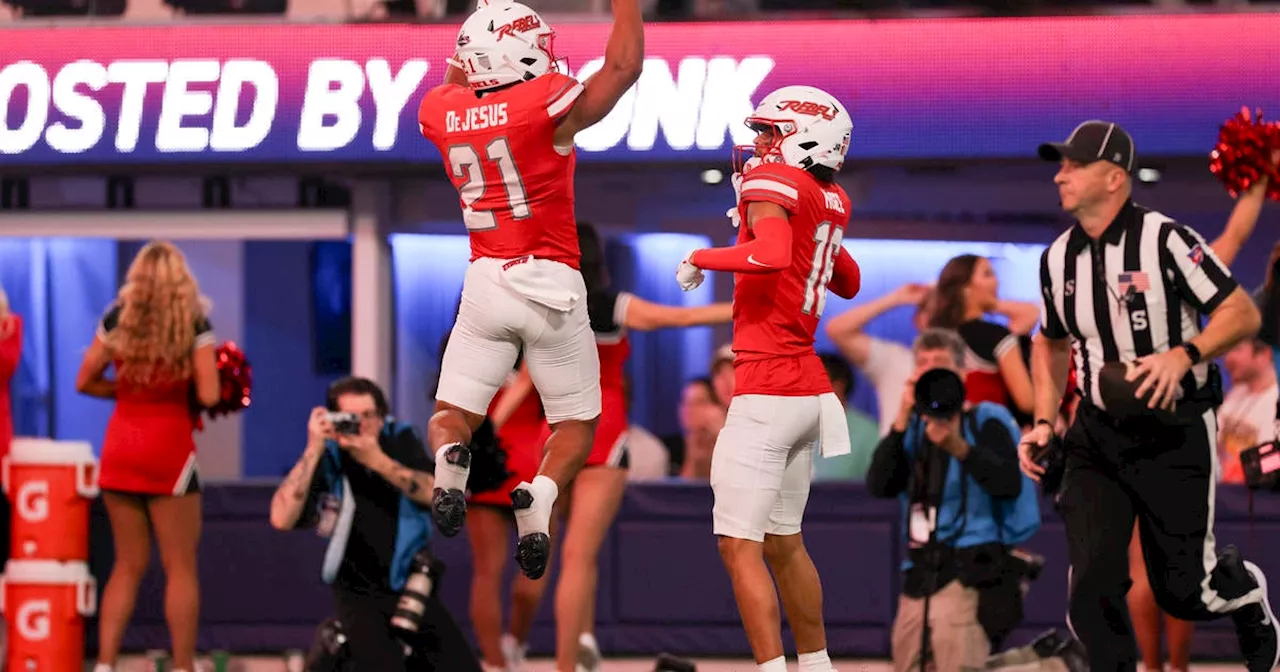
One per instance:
(775, 315)
(515, 186)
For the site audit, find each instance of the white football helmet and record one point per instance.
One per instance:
(503, 43)
(810, 128)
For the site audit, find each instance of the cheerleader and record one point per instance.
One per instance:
(596, 493)
(157, 338)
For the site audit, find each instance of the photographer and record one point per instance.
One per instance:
(956, 472)
(364, 482)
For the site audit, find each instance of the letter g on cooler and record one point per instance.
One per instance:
(32, 501)
(32, 620)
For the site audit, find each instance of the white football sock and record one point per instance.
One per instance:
(450, 476)
(778, 664)
(537, 518)
(818, 661)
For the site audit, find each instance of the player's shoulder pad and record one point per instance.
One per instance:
(559, 93)
(774, 183)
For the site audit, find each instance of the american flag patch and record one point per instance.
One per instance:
(1196, 255)
(1133, 283)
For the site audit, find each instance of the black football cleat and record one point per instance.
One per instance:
(534, 549)
(449, 506)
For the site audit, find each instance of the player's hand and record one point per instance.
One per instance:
(1164, 374)
(318, 426)
(689, 276)
(1033, 442)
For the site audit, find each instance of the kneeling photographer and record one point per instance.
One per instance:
(956, 471)
(364, 482)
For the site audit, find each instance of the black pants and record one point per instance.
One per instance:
(1165, 477)
(366, 619)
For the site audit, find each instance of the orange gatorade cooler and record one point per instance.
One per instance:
(50, 485)
(45, 603)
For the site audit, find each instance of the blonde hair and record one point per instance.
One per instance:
(4, 304)
(160, 305)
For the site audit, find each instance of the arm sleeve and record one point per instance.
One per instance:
(1199, 276)
(846, 281)
(993, 461)
(769, 252)
(889, 471)
(1050, 322)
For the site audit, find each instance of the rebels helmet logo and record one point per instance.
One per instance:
(807, 108)
(523, 24)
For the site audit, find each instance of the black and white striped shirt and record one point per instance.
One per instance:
(1138, 290)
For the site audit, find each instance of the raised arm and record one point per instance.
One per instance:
(1244, 217)
(623, 62)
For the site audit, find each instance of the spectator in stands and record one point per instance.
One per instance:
(863, 433)
(364, 481)
(995, 363)
(722, 379)
(1247, 416)
(650, 459)
(158, 337)
(887, 364)
(702, 416)
(956, 471)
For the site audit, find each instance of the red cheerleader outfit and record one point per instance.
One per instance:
(521, 438)
(148, 448)
(10, 355)
(607, 311)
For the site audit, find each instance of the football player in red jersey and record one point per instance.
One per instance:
(504, 121)
(788, 255)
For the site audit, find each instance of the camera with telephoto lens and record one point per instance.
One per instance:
(345, 423)
(939, 394)
(424, 575)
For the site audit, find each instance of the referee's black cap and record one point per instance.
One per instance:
(1094, 141)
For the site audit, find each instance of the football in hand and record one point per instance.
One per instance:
(1119, 395)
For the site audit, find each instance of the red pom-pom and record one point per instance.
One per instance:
(1243, 155)
(235, 377)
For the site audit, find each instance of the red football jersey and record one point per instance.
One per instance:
(775, 315)
(516, 187)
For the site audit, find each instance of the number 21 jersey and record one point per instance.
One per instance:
(515, 186)
(775, 315)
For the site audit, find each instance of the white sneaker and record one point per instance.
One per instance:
(588, 653)
(514, 652)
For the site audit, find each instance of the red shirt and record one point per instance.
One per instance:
(10, 355)
(775, 315)
(515, 186)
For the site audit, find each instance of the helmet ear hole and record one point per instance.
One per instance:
(808, 145)
(529, 61)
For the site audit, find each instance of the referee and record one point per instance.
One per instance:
(1128, 284)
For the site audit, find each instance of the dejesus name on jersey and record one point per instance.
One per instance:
(775, 315)
(516, 187)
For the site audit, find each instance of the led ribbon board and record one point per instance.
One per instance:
(938, 88)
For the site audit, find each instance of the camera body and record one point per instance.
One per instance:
(347, 424)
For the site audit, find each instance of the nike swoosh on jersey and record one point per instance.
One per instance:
(751, 259)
